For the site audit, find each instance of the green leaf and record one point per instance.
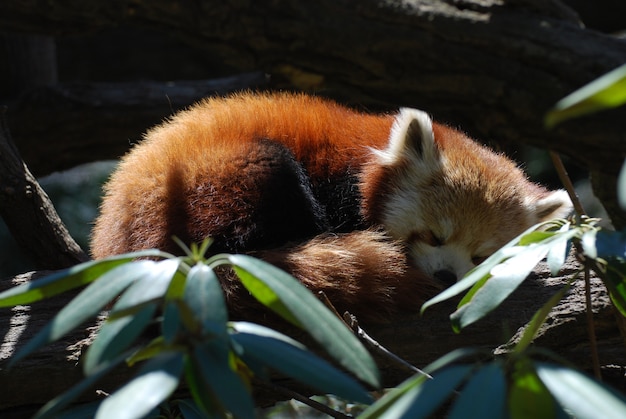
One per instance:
(311, 314)
(265, 294)
(154, 383)
(389, 407)
(189, 409)
(66, 279)
(171, 324)
(588, 242)
(204, 296)
(606, 92)
(538, 318)
(115, 336)
(86, 305)
(615, 280)
(528, 397)
(611, 244)
(484, 395)
(277, 351)
(482, 272)
(536, 237)
(506, 277)
(155, 347)
(148, 288)
(558, 252)
(580, 395)
(418, 397)
(395, 403)
(54, 406)
(212, 365)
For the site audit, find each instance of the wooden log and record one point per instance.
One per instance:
(492, 67)
(419, 340)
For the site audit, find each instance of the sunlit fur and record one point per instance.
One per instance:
(368, 208)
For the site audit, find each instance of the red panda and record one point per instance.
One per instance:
(377, 210)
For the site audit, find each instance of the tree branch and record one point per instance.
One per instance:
(492, 67)
(29, 214)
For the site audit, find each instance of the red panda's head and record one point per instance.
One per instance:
(452, 201)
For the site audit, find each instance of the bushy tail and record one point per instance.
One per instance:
(363, 272)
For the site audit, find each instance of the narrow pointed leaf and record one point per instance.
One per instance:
(482, 272)
(189, 410)
(395, 403)
(148, 288)
(86, 304)
(558, 252)
(615, 281)
(171, 324)
(538, 318)
(212, 363)
(156, 381)
(66, 279)
(579, 394)
(419, 397)
(611, 244)
(314, 317)
(115, 336)
(506, 277)
(605, 92)
(588, 241)
(528, 397)
(54, 406)
(484, 395)
(265, 346)
(204, 296)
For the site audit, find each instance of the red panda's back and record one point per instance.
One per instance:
(212, 169)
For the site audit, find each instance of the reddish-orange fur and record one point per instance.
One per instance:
(293, 179)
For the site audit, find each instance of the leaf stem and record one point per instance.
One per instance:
(567, 183)
(593, 344)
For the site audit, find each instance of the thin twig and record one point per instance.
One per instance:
(581, 215)
(322, 295)
(353, 323)
(567, 183)
(593, 344)
(303, 399)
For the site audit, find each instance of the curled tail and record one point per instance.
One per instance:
(363, 272)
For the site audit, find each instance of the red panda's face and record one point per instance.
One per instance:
(452, 201)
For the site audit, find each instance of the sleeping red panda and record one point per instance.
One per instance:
(377, 210)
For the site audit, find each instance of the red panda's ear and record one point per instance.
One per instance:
(553, 204)
(411, 137)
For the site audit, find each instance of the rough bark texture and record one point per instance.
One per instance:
(29, 213)
(493, 67)
(82, 122)
(419, 340)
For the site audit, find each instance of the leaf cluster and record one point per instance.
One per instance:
(197, 344)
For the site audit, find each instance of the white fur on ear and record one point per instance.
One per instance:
(411, 136)
(554, 204)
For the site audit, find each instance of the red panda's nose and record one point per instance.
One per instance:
(446, 277)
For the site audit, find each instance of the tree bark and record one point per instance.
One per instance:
(83, 122)
(419, 340)
(29, 213)
(492, 67)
